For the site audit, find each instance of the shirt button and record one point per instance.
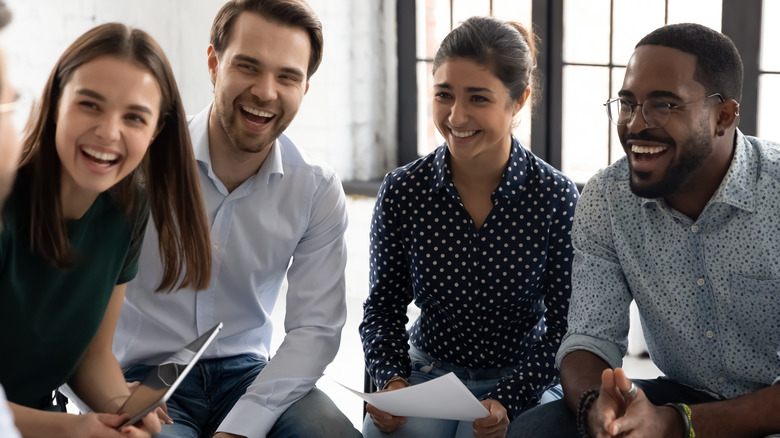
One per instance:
(721, 379)
(695, 228)
(710, 334)
(700, 282)
(216, 246)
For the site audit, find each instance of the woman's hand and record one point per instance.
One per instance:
(494, 425)
(383, 421)
(92, 425)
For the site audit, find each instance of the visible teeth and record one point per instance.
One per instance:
(648, 149)
(462, 134)
(104, 156)
(257, 112)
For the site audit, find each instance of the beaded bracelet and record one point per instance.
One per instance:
(685, 413)
(583, 408)
(688, 413)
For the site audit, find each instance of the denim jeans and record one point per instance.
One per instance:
(213, 386)
(425, 368)
(555, 420)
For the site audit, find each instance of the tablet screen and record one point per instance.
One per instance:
(151, 392)
(163, 379)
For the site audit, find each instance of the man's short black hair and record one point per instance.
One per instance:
(718, 64)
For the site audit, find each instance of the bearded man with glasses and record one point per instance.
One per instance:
(687, 226)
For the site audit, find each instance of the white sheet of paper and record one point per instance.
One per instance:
(444, 397)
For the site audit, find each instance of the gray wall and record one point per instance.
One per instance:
(347, 119)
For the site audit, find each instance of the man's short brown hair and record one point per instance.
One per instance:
(296, 13)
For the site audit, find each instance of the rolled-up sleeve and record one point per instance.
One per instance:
(599, 307)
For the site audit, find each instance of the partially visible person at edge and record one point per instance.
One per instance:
(275, 214)
(477, 234)
(109, 134)
(9, 157)
(9, 141)
(686, 225)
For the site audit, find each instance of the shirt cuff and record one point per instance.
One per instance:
(249, 419)
(609, 351)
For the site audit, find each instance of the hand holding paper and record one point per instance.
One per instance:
(444, 397)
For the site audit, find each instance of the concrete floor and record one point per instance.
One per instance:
(347, 368)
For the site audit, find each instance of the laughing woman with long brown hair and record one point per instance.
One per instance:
(108, 144)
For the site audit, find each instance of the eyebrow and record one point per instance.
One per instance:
(468, 89)
(254, 61)
(95, 95)
(653, 94)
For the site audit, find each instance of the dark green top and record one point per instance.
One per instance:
(49, 315)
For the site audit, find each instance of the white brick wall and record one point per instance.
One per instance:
(348, 118)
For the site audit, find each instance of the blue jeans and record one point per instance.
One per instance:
(555, 420)
(425, 368)
(213, 386)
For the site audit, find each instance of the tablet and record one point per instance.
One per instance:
(158, 386)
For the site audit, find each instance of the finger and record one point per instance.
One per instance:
(624, 384)
(134, 432)
(494, 430)
(112, 420)
(132, 385)
(623, 426)
(151, 423)
(376, 413)
(162, 415)
(608, 386)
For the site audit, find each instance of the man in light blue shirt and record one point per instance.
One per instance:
(687, 226)
(274, 214)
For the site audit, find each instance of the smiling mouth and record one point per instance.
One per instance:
(642, 153)
(255, 115)
(462, 134)
(105, 159)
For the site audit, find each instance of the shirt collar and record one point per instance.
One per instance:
(199, 134)
(515, 173)
(738, 185)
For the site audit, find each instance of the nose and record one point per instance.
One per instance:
(109, 128)
(458, 115)
(264, 87)
(637, 118)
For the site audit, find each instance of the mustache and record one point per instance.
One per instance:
(644, 135)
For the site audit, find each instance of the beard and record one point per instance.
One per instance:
(230, 125)
(693, 152)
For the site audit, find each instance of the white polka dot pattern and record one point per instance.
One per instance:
(708, 290)
(488, 298)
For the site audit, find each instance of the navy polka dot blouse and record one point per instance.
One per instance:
(491, 297)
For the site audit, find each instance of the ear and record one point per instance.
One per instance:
(306, 90)
(727, 115)
(521, 101)
(157, 131)
(213, 63)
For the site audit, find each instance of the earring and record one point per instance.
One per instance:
(721, 133)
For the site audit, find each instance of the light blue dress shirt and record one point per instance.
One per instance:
(7, 426)
(708, 291)
(287, 220)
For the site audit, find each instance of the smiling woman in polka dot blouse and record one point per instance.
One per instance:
(477, 234)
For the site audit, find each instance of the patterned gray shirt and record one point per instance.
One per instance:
(708, 291)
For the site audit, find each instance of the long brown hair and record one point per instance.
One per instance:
(168, 170)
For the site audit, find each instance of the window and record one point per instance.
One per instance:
(598, 39)
(769, 73)
(584, 49)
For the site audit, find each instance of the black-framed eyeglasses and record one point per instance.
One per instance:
(655, 111)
